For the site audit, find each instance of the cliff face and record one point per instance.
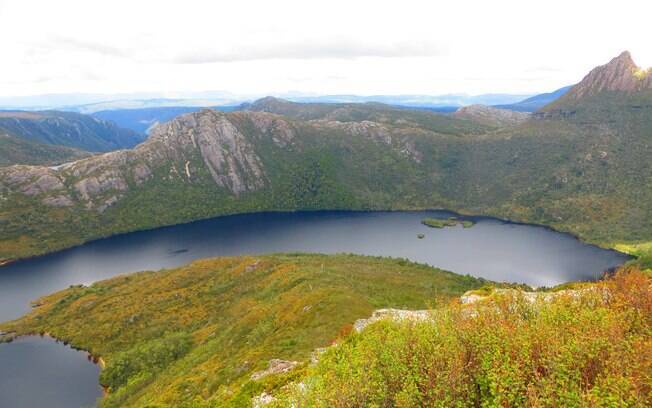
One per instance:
(621, 74)
(207, 146)
(179, 149)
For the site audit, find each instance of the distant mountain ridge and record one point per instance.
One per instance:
(90, 104)
(68, 129)
(14, 150)
(144, 119)
(536, 102)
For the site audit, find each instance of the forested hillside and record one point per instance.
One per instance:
(580, 165)
(67, 129)
(14, 150)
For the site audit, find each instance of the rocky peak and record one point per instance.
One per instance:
(224, 149)
(620, 74)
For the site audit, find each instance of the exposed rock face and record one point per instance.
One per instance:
(276, 366)
(107, 181)
(392, 314)
(488, 115)
(58, 201)
(620, 74)
(274, 126)
(470, 298)
(262, 400)
(227, 153)
(379, 133)
(31, 180)
(222, 145)
(207, 138)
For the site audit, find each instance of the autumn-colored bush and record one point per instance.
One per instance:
(591, 347)
(195, 334)
(144, 359)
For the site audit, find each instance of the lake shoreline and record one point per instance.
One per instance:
(94, 359)
(456, 213)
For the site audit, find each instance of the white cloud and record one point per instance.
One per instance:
(305, 49)
(340, 46)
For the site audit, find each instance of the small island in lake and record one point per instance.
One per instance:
(449, 222)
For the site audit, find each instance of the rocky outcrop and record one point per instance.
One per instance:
(276, 366)
(209, 139)
(620, 74)
(490, 116)
(397, 315)
(471, 297)
(273, 126)
(262, 400)
(223, 148)
(187, 150)
(400, 140)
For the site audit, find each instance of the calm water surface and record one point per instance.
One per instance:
(38, 372)
(491, 249)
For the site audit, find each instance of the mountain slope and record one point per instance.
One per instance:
(204, 164)
(588, 347)
(491, 116)
(14, 150)
(536, 102)
(620, 75)
(67, 129)
(168, 337)
(583, 169)
(371, 112)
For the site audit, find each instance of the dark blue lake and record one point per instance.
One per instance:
(492, 249)
(39, 372)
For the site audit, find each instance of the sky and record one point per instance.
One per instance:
(314, 48)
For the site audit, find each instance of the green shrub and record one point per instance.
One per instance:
(144, 359)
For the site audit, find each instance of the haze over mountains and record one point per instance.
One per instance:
(101, 102)
(51, 137)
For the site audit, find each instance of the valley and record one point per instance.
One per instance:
(579, 173)
(335, 226)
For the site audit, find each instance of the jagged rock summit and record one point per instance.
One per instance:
(621, 74)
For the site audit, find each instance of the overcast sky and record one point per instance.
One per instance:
(325, 47)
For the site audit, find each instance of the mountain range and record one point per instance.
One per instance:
(579, 169)
(91, 103)
(67, 129)
(536, 102)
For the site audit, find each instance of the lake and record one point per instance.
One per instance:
(39, 372)
(491, 249)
